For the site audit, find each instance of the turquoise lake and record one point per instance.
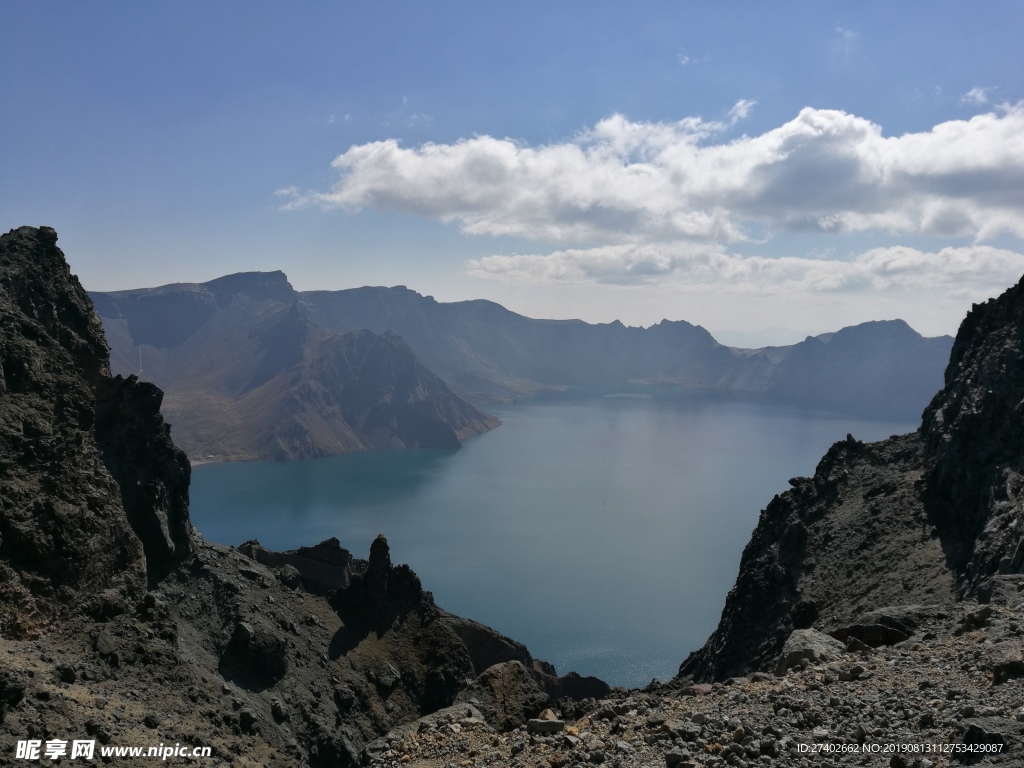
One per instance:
(601, 528)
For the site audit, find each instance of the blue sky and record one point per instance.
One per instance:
(744, 166)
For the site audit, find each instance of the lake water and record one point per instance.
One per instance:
(601, 528)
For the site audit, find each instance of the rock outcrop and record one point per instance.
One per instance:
(927, 518)
(319, 569)
(91, 487)
(973, 432)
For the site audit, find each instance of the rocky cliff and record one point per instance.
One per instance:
(122, 626)
(92, 491)
(927, 518)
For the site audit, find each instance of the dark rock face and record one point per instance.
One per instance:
(571, 685)
(254, 658)
(851, 539)
(507, 695)
(974, 430)
(12, 691)
(319, 569)
(95, 448)
(488, 649)
(923, 519)
(152, 474)
(382, 594)
(65, 537)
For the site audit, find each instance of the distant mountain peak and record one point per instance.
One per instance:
(879, 329)
(260, 286)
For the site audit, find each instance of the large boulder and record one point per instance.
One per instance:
(808, 645)
(507, 694)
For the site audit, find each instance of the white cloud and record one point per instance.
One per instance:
(741, 110)
(633, 182)
(976, 95)
(683, 58)
(975, 271)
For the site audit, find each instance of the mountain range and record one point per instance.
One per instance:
(248, 374)
(876, 611)
(254, 369)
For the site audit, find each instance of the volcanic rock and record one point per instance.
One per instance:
(118, 620)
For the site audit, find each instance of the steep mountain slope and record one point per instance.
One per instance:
(487, 353)
(249, 376)
(974, 436)
(75, 518)
(121, 626)
(491, 353)
(926, 518)
(882, 368)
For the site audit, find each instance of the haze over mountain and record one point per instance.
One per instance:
(254, 369)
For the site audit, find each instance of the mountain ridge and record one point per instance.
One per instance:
(248, 375)
(486, 353)
(117, 631)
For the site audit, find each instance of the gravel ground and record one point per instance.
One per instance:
(948, 696)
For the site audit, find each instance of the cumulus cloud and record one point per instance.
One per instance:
(971, 270)
(626, 182)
